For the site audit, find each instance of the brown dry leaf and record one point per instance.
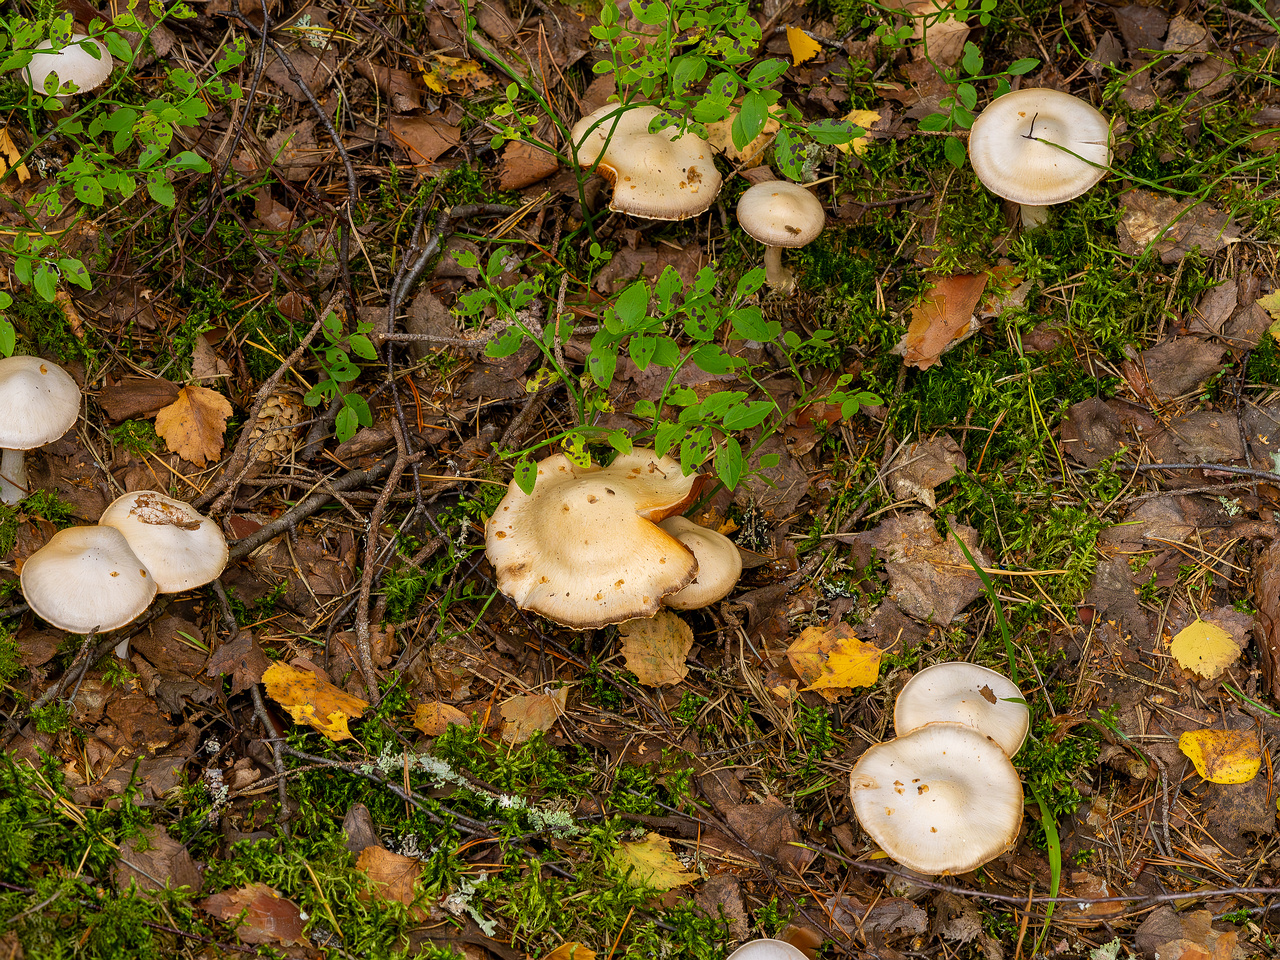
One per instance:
(833, 660)
(1175, 228)
(571, 951)
(392, 877)
(890, 915)
(653, 862)
(193, 425)
(1171, 369)
(1223, 756)
(655, 648)
(923, 466)
(207, 365)
(433, 719)
(769, 827)
(424, 138)
(531, 712)
(313, 701)
(153, 860)
(943, 318)
(944, 37)
(242, 658)
(1266, 628)
(136, 398)
(523, 165)
(263, 915)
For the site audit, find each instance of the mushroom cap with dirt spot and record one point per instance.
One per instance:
(74, 63)
(780, 213)
(964, 693)
(585, 549)
(38, 402)
(719, 564)
(182, 548)
(87, 578)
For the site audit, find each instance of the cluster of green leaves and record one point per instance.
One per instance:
(337, 368)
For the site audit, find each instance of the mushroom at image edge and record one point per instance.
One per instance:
(183, 549)
(74, 63)
(38, 404)
(585, 549)
(719, 564)
(780, 214)
(965, 693)
(768, 950)
(1022, 145)
(943, 799)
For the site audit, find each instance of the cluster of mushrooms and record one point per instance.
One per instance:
(592, 546)
(943, 797)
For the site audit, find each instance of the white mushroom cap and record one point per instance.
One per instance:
(942, 799)
(768, 950)
(1021, 146)
(183, 549)
(74, 63)
(584, 549)
(780, 214)
(719, 564)
(87, 578)
(965, 693)
(662, 176)
(39, 402)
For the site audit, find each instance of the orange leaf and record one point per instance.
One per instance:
(433, 719)
(263, 915)
(942, 318)
(312, 701)
(392, 877)
(532, 712)
(655, 648)
(194, 424)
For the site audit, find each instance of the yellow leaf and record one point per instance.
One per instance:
(1223, 756)
(532, 712)
(655, 648)
(313, 701)
(1271, 304)
(851, 663)
(433, 719)
(833, 661)
(803, 46)
(859, 118)
(571, 951)
(720, 136)
(1204, 648)
(194, 424)
(655, 865)
(10, 152)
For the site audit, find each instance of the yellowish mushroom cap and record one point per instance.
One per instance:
(719, 564)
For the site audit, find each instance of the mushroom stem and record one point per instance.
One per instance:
(13, 476)
(775, 274)
(1033, 217)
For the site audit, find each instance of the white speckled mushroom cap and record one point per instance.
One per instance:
(74, 63)
(87, 578)
(781, 213)
(660, 175)
(943, 799)
(182, 548)
(719, 564)
(1024, 163)
(39, 401)
(768, 950)
(584, 549)
(964, 693)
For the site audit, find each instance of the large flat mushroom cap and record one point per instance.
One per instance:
(40, 402)
(1021, 146)
(181, 547)
(964, 693)
(74, 63)
(943, 799)
(87, 578)
(584, 549)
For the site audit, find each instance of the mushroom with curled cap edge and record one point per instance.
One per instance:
(662, 176)
(1039, 147)
(719, 564)
(780, 214)
(768, 950)
(965, 693)
(38, 403)
(943, 799)
(82, 61)
(182, 548)
(584, 548)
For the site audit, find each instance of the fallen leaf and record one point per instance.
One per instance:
(1223, 756)
(242, 658)
(833, 660)
(942, 318)
(720, 136)
(571, 951)
(803, 46)
(1205, 649)
(153, 860)
(433, 718)
(769, 827)
(652, 864)
(1174, 228)
(859, 118)
(1171, 369)
(1271, 304)
(523, 165)
(193, 425)
(918, 470)
(10, 152)
(655, 648)
(454, 75)
(531, 712)
(392, 877)
(424, 138)
(136, 398)
(263, 916)
(890, 914)
(313, 701)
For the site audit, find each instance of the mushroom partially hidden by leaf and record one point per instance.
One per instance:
(83, 62)
(182, 548)
(719, 564)
(87, 578)
(780, 214)
(585, 549)
(965, 693)
(38, 403)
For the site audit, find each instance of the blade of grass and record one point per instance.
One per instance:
(990, 590)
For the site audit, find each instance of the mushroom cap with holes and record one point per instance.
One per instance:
(964, 693)
(182, 548)
(39, 401)
(941, 799)
(719, 564)
(768, 950)
(74, 63)
(661, 176)
(585, 549)
(87, 578)
(780, 213)
(1036, 166)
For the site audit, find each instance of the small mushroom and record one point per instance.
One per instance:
(780, 214)
(38, 403)
(182, 548)
(965, 693)
(1039, 147)
(82, 61)
(768, 950)
(943, 799)
(719, 564)
(662, 176)
(87, 578)
(585, 549)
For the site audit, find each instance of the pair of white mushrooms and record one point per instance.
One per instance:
(592, 546)
(944, 797)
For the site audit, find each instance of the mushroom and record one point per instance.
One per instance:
(942, 799)
(780, 214)
(183, 549)
(87, 579)
(768, 950)
(82, 61)
(663, 176)
(719, 564)
(965, 693)
(1039, 147)
(38, 403)
(585, 549)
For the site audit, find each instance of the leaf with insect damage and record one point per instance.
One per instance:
(313, 701)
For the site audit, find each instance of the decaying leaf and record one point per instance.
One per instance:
(530, 712)
(922, 466)
(1174, 228)
(864, 119)
(242, 658)
(1205, 649)
(392, 876)
(435, 718)
(942, 318)
(655, 648)
(803, 47)
(313, 701)
(1223, 756)
(653, 862)
(720, 136)
(11, 156)
(524, 164)
(193, 425)
(572, 951)
(263, 915)
(833, 660)
(424, 138)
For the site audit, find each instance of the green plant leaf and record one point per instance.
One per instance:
(8, 338)
(526, 474)
(642, 349)
(954, 149)
(788, 154)
(1020, 67)
(834, 131)
(746, 416)
(750, 120)
(729, 463)
(935, 122)
(88, 190)
(766, 72)
(632, 306)
(160, 189)
(749, 324)
(971, 61)
(620, 441)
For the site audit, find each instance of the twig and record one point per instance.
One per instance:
(1221, 467)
